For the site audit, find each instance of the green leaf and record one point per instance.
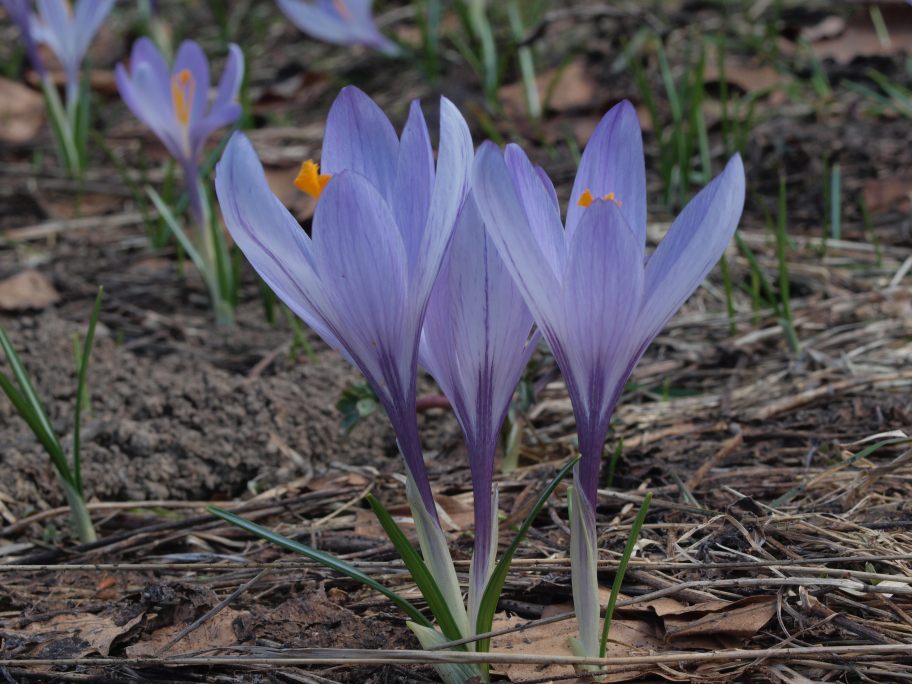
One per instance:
(224, 265)
(60, 124)
(28, 415)
(31, 409)
(80, 391)
(491, 596)
(435, 552)
(419, 571)
(182, 237)
(324, 559)
(622, 569)
(83, 121)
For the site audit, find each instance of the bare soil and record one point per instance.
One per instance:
(752, 451)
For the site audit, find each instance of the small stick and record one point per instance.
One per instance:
(215, 610)
(357, 656)
(728, 447)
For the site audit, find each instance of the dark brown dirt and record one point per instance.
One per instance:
(173, 427)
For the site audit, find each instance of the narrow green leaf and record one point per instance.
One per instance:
(419, 571)
(45, 431)
(622, 569)
(20, 403)
(181, 235)
(83, 121)
(325, 559)
(757, 270)
(491, 596)
(80, 391)
(60, 124)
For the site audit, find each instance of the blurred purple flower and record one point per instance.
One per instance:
(597, 298)
(383, 221)
(476, 344)
(68, 31)
(174, 102)
(343, 22)
(20, 12)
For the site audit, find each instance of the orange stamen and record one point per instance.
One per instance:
(310, 180)
(183, 88)
(587, 198)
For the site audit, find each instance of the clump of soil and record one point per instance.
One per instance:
(174, 427)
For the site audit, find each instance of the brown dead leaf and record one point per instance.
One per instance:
(337, 481)
(27, 290)
(106, 589)
(730, 624)
(575, 88)
(643, 627)
(90, 204)
(710, 624)
(747, 75)
(69, 636)
(455, 513)
(624, 638)
(891, 193)
(827, 28)
(860, 38)
(215, 632)
(21, 112)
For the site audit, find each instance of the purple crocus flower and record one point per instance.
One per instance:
(343, 22)
(68, 32)
(381, 228)
(383, 221)
(20, 12)
(597, 298)
(476, 344)
(174, 102)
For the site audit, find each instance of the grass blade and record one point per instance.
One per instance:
(36, 415)
(324, 559)
(622, 569)
(80, 391)
(181, 235)
(418, 570)
(782, 257)
(20, 403)
(757, 271)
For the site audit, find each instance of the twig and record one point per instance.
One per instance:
(355, 656)
(42, 230)
(196, 624)
(728, 447)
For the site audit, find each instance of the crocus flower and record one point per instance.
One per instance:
(476, 344)
(343, 22)
(597, 298)
(174, 102)
(382, 224)
(20, 12)
(68, 32)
